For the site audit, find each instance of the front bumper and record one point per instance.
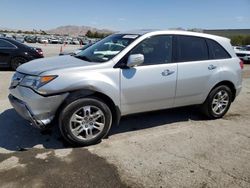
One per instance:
(23, 110)
(37, 109)
(245, 58)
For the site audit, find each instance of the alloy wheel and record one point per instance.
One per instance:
(220, 102)
(87, 122)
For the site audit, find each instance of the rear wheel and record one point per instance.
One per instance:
(217, 102)
(85, 121)
(17, 61)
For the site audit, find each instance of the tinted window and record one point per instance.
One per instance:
(156, 50)
(5, 44)
(216, 51)
(191, 49)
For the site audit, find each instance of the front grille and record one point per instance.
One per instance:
(241, 55)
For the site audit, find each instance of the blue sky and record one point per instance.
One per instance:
(125, 14)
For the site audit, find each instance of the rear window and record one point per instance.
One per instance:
(191, 48)
(216, 51)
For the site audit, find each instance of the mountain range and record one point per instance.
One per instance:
(74, 30)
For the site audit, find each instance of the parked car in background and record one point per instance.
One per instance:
(20, 39)
(31, 39)
(60, 40)
(8, 36)
(67, 41)
(85, 41)
(43, 40)
(14, 53)
(53, 41)
(76, 51)
(243, 53)
(238, 48)
(247, 47)
(151, 70)
(75, 41)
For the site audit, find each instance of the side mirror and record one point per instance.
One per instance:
(135, 60)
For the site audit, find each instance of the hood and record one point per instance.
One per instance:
(36, 67)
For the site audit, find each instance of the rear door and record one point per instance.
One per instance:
(196, 70)
(150, 86)
(6, 49)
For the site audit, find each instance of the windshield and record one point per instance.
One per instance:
(107, 48)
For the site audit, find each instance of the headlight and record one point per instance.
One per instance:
(35, 82)
(16, 79)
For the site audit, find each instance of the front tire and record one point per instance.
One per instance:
(217, 102)
(85, 121)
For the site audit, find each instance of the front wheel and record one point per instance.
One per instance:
(17, 61)
(217, 102)
(85, 121)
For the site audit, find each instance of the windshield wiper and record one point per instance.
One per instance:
(85, 58)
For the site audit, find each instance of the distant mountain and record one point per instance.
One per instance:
(7, 29)
(73, 30)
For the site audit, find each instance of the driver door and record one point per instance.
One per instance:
(150, 86)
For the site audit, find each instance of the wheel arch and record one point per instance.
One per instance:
(83, 93)
(18, 56)
(229, 84)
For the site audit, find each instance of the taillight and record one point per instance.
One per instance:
(39, 51)
(241, 64)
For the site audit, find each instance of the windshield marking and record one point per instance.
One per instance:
(130, 36)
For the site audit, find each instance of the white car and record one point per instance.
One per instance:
(88, 93)
(242, 53)
(75, 41)
(43, 40)
(54, 41)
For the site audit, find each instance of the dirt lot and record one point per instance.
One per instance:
(170, 148)
(54, 49)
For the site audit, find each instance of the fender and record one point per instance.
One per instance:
(116, 113)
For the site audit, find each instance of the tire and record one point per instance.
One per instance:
(218, 102)
(85, 121)
(16, 62)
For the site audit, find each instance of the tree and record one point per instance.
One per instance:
(96, 35)
(246, 40)
(89, 34)
(43, 32)
(237, 40)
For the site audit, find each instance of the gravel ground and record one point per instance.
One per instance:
(170, 148)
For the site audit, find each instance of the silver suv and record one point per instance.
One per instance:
(127, 73)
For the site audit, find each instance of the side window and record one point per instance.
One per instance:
(156, 50)
(191, 49)
(5, 44)
(216, 51)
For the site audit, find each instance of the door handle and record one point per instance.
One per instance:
(211, 67)
(167, 72)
